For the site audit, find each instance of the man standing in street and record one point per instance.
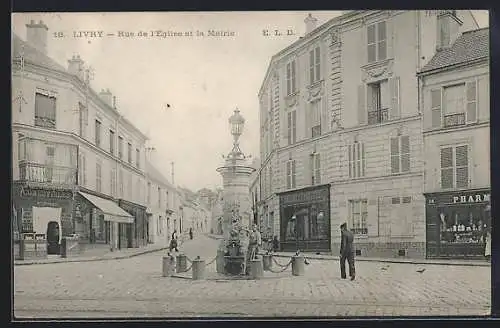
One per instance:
(346, 252)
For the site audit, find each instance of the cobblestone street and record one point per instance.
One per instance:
(135, 288)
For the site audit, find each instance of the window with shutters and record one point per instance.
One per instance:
(45, 110)
(436, 108)
(378, 102)
(121, 183)
(377, 42)
(148, 192)
(400, 154)
(130, 187)
(358, 216)
(357, 161)
(129, 152)
(455, 167)
(83, 119)
(112, 141)
(316, 168)
(97, 131)
(290, 174)
(292, 127)
(454, 105)
(315, 118)
(137, 158)
(159, 197)
(98, 181)
(112, 176)
(291, 79)
(120, 147)
(270, 180)
(314, 65)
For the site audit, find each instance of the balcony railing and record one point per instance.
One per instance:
(43, 173)
(45, 122)
(378, 116)
(454, 120)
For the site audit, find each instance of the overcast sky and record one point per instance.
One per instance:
(202, 78)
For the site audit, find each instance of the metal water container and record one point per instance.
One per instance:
(198, 269)
(298, 265)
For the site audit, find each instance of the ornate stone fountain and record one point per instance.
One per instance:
(237, 213)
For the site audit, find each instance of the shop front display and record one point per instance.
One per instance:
(457, 223)
(134, 234)
(305, 219)
(43, 210)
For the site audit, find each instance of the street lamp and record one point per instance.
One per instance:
(237, 123)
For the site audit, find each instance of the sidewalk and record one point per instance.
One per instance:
(330, 257)
(115, 255)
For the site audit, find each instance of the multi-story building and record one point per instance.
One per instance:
(78, 164)
(162, 209)
(455, 103)
(341, 133)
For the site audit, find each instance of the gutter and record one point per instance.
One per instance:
(452, 66)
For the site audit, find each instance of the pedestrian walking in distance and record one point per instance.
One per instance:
(174, 242)
(191, 233)
(347, 252)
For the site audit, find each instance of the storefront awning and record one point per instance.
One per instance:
(111, 211)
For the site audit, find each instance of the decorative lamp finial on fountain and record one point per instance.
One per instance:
(237, 123)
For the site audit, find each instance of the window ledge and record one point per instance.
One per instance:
(377, 64)
(315, 84)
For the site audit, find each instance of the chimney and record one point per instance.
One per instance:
(75, 67)
(311, 23)
(107, 97)
(36, 35)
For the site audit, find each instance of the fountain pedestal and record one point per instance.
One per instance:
(237, 212)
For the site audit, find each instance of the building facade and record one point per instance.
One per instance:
(455, 103)
(162, 206)
(78, 164)
(339, 110)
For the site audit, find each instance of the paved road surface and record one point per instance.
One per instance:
(135, 288)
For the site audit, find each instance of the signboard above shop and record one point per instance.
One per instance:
(467, 197)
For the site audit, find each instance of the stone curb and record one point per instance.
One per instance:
(94, 259)
(419, 262)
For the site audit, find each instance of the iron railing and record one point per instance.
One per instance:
(43, 173)
(378, 116)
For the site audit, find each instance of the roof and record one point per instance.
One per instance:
(470, 46)
(154, 174)
(33, 55)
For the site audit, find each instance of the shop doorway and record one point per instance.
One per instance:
(53, 237)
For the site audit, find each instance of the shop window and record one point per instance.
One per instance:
(463, 224)
(358, 214)
(454, 167)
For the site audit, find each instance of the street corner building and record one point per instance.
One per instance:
(78, 164)
(346, 113)
(456, 114)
